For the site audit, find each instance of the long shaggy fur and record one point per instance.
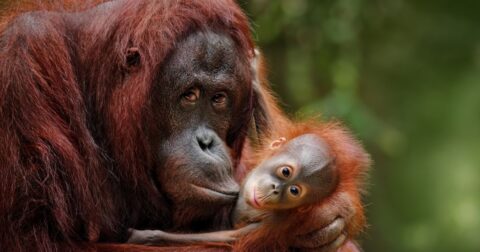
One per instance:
(75, 164)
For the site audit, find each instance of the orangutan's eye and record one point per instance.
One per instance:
(294, 190)
(219, 98)
(191, 95)
(285, 171)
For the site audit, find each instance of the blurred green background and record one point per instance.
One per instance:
(405, 77)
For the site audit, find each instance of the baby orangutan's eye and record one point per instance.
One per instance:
(284, 171)
(294, 190)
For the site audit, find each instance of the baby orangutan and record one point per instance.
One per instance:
(296, 173)
(299, 172)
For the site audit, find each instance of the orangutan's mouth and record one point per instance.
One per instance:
(214, 193)
(254, 202)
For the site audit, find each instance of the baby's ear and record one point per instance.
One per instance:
(277, 143)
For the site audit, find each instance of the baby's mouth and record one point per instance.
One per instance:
(254, 202)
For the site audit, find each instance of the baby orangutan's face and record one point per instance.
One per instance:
(300, 171)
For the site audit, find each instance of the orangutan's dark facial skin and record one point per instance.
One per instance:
(202, 86)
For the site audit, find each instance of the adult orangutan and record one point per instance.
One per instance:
(95, 101)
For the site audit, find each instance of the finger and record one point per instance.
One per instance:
(134, 236)
(340, 205)
(330, 247)
(333, 246)
(322, 236)
(144, 236)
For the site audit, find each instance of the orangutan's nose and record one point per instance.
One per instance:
(206, 138)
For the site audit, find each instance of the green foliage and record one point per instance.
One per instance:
(405, 77)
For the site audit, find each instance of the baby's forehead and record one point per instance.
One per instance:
(307, 143)
(310, 153)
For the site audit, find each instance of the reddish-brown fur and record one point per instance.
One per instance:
(75, 163)
(351, 161)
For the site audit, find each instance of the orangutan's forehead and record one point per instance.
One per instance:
(310, 152)
(212, 52)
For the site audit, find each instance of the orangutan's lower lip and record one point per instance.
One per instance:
(254, 201)
(230, 195)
